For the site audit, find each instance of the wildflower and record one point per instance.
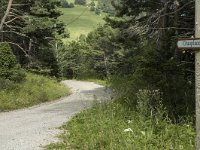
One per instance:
(188, 125)
(128, 130)
(129, 121)
(143, 133)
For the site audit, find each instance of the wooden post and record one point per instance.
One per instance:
(197, 73)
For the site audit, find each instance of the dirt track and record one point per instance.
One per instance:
(32, 128)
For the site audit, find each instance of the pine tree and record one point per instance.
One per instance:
(32, 30)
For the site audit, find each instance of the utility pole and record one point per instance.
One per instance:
(197, 73)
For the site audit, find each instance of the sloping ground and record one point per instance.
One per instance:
(80, 20)
(31, 128)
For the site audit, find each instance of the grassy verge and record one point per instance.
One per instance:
(34, 90)
(97, 81)
(114, 127)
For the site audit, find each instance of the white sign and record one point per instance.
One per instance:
(189, 43)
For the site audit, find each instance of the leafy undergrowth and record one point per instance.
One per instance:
(34, 90)
(114, 127)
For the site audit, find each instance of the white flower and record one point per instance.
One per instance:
(143, 133)
(128, 130)
(129, 121)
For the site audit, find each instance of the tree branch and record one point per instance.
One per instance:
(6, 14)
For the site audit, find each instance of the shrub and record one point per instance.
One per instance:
(9, 68)
(92, 3)
(80, 2)
(92, 8)
(6, 84)
(71, 5)
(97, 11)
(65, 4)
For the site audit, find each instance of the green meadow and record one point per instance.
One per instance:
(80, 20)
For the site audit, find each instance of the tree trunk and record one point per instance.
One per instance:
(6, 14)
(106, 66)
(162, 24)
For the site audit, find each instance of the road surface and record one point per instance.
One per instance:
(32, 128)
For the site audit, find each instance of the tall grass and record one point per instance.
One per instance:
(136, 120)
(114, 127)
(34, 90)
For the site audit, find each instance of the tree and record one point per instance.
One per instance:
(92, 6)
(32, 28)
(9, 68)
(160, 65)
(65, 4)
(106, 6)
(6, 14)
(97, 11)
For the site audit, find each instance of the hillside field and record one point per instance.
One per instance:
(80, 20)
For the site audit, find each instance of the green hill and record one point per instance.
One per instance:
(80, 20)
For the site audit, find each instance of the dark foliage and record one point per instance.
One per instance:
(33, 31)
(9, 68)
(80, 2)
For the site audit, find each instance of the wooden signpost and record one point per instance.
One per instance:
(194, 44)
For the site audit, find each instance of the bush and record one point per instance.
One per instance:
(71, 5)
(6, 84)
(92, 3)
(92, 8)
(66, 34)
(9, 68)
(65, 4)
(80, 2)
(97, 11)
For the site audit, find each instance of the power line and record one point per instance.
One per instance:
(77, 17)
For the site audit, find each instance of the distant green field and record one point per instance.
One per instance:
(80, 20)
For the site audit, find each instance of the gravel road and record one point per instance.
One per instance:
(32, 128)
